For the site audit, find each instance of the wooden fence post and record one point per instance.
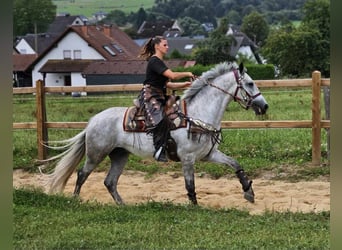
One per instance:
(42, 134)
(316, 118)
(326, 91)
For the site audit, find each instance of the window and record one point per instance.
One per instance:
(188, 46)
(117, 47)
(77, 54)
(109, 50)
(67, 54)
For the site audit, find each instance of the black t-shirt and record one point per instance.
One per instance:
(154, 73)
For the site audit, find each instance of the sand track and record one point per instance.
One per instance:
(134, 188)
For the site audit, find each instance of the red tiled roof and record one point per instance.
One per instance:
(112, 36)
(21, 62)
(62, 66)
(117, 67)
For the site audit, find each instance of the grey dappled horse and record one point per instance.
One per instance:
(206, 100)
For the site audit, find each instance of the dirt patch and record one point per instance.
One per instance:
(135, 188)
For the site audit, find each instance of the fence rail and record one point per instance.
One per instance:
(316, 124)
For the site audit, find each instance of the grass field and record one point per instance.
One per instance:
(89, 7)
(54, 222)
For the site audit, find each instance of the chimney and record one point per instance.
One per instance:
(84, 29)
(107, 29)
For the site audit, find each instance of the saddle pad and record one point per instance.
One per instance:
(136, 123)
(131, 123)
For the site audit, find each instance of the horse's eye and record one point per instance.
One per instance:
(250, 84)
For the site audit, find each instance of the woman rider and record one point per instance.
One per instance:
(153, 95)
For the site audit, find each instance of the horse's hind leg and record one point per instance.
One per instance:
(118, 157)
(83, 173)
(219, 157)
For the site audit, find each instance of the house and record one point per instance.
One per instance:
(61, 23)
(158, 28)
(244, 45)
(34, 43)
(208, 27)
(172, 33)
(63, 62)
(98, 16)
(37, 43)
(183, 45)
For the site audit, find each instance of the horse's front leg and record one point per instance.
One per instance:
(219, 157)
(189, 177)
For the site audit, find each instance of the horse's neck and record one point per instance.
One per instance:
(209, 107)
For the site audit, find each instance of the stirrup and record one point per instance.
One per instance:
(159, 155)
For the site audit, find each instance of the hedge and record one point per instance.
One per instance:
(255, 71)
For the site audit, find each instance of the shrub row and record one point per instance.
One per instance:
(255, 71)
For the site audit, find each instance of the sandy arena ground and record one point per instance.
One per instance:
(135, 187)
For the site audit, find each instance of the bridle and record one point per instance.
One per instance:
(246, 100)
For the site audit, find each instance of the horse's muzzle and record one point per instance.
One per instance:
(260, 107)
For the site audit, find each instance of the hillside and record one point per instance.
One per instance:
(200, 10)
(89, 7)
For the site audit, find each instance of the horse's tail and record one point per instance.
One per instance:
(69, 160)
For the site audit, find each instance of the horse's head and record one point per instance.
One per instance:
(241, 87)
(247, 94)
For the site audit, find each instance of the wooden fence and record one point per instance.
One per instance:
(316, 123)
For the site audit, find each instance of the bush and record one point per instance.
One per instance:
(261, 71)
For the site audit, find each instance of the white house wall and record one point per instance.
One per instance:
(78, 80)
(24, 48)
(72, 42)
(247, 51)
(54, 79)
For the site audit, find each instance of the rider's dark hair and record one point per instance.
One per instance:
(148, 50)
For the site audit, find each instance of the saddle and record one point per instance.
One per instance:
(134, 118)
(175, 110)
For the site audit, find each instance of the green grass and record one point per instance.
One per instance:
(89, 7)
(54, 222)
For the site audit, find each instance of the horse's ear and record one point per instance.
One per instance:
(241, 68)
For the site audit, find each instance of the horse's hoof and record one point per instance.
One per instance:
(249, 195)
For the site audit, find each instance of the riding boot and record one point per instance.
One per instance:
(160, 134)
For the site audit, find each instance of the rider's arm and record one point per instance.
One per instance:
(177, 75)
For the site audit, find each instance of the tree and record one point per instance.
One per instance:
(116, 16)
(299, 51)
(201, 11)
(191, 26)
(141, 17)
(255, 27)
(296, 53)
(234, 17)
(216, 48)
(32, 16)
(317, 15)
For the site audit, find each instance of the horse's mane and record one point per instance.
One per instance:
(201, 82)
